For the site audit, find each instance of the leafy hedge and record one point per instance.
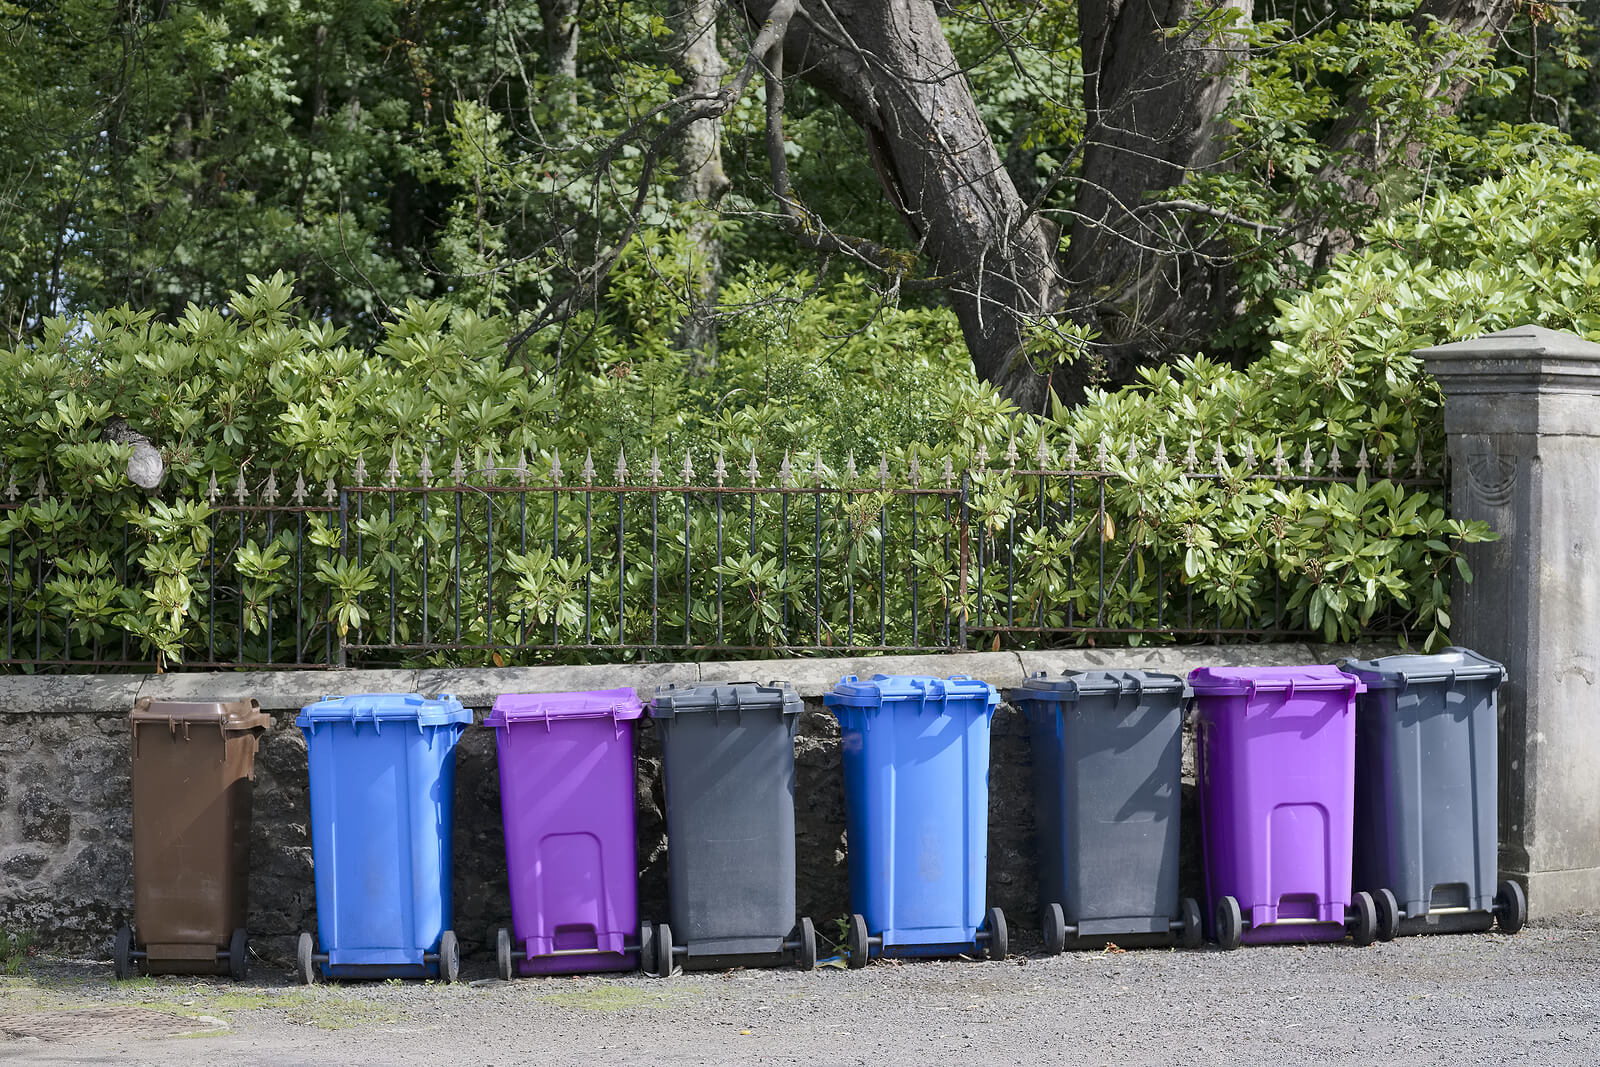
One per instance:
(258, 386)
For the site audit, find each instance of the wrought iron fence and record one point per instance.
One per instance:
(502, 564)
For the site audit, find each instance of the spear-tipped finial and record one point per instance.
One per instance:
(241, 491)
(1102, 455)
(1011, 453)
(1247, 453)
(1388, 465)
(424, 470)
(1041, 454)
(850, 466)
(360, 473)
(949, 473)
(1334, 462)
(1190, 459)
(330, 491)
(299, 494)
(1279, 464)
(1132, 455)
(458, 472)
(654, 469)
(1219, 458)
(270, 493)
(1161, 452)
(588, 466)
(211, 490)
(914, 472)
(1418, 468)
(12, 492)
(1072, 454)
(621, 470)
(391, 473)
(818, 472)
(1362, 463)
(40, 489)
(522, 472)
(688, 468)
(785, 471)
(883, 471)
(1308, 461)
(719, 470)
(753, 470)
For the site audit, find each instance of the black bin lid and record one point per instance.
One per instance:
(1453, 665)
(669, 700)
(1074, 685)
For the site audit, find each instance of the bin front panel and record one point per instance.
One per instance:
(1276, 781)
(1106, 786)
(730, 825)
(1426, 791)
(191, 832)
(382, 804)
(567, 801)
(917, 818)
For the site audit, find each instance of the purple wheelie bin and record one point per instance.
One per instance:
(1275, 753)
(567, 801)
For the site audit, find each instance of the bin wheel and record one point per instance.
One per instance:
(647, 947)
(238, 955)
(122, 953)
(1510, 907)
(1388, 914)
(1364, 922)
(663, 951)
(856, 941)
(999, 944)
(502, 954)
(806, 958)
(1192, 933)
(305, 968)
(1230, 924)
(1053, 921)
(449, 957)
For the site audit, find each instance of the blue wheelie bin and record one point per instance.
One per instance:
(382, 769)
(916, 786)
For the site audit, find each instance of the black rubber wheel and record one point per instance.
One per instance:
(122, 953)
(1388, 914)
(1510, 907)
(502, 954)
(1230, 924)
(305, 969)
(663, 951)
(449, 957)
(647, 947)
(238, 955)
(1192, 934)
(806, 957)
(1363, 920)
(999, 944)
(856, 942)
(1053, 921)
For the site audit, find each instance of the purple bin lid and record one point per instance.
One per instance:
(1246, 681)
(541, 707)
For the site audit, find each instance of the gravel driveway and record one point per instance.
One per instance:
(1483, 998)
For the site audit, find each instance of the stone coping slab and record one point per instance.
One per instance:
(476, 687)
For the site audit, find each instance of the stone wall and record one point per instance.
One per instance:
(65, 864)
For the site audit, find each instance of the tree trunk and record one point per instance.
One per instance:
(701, 181)
(887, 63)
(559, 19)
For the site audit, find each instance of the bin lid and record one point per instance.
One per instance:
(1245, 681)
(1452, 665)
(542, 707)
(233, 715)
(853, 692)
(386, 707)
(727, 696)
(1071, 685)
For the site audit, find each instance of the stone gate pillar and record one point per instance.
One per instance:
(1522, 416)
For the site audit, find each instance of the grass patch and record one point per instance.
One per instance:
(612, 997)
(16, 948)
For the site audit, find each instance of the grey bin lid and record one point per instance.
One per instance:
(730, 696)
(1451, 665)
(1073, 685)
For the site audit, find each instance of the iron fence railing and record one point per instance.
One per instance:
(500, 564)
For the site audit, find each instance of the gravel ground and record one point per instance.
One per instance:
(1464, 999)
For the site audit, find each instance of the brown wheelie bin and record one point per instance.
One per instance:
(192, 770)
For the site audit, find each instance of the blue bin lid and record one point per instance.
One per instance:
(1452, 665)
(880, 689)
(386, 707)
(542, 707)
(728, 696)
(1071, 685)
(1247, 681)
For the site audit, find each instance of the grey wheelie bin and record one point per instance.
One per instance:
(1426, 821)
(727, 755)
(1107, 752)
